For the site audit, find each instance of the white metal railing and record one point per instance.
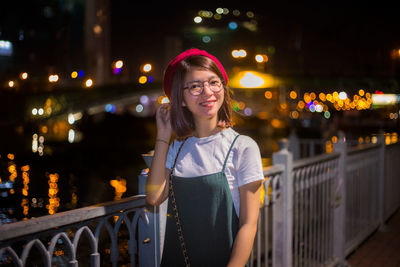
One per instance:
(99, 231)
(328, 204)
(391, 185)
(362, 189)
(263, 251)
(314, 182)
(314, 212)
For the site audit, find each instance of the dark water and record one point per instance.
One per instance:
(102, 166)
(73, 174)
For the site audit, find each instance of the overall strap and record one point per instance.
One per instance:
(177, 155)
(229, 151)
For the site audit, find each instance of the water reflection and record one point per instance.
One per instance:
(119, 185)
(61, 164)
(54, 201)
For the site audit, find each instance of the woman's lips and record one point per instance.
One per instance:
(208, 103)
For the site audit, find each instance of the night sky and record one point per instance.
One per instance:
(353, 38)
(321, 38)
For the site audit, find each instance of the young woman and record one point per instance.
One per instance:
(211, 175)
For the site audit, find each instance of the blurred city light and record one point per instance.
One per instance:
(239, 53)
(217, 16)
(197, 19)
(89, 83)
(24, 75)
(6, 48)
(259, 58)
(232, 25)
(163, 100)
(71, 136)
(139, 108)
(110, 108)
(385, 99)
(119, 64)
(219, 10)
(250, 14)
(54, 201)
(206, 39)
(205, 14)
(119, 185)
(268, 94)
(11, 84)
(73, 117)
(150, 79)
(342, 95)
(74, 74)
(147, 67)
(248, 111)
(142, 79)
(253, 79)
(293, 94)
(53, 78)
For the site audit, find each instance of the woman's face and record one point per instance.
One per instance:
(206, 105)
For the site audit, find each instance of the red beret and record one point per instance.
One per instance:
(172, 66)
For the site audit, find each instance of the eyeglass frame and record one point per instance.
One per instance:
(221, 86)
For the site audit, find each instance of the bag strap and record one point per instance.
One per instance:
(175, 208)
(229, 151)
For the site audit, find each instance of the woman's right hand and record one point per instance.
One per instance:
(164, 129)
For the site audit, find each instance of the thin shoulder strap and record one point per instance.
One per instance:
(177, 155)
(229, 151)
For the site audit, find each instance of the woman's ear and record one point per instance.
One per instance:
(183, 103)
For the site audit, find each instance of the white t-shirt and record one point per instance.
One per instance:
(202, 156)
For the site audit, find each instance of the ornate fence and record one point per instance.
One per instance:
(315, 211)
(109, 234)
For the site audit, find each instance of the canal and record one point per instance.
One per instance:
(102, 164)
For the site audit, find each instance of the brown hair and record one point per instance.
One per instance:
(182, 121)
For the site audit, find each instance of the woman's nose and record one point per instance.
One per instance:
(206, 89)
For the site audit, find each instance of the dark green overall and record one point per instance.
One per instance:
(208, 218)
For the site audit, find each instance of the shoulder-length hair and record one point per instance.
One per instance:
(182, 121)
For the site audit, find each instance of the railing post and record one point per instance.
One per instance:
(339, 201)
(294, 144)
(283, 238)
(148, 249)
(381, 181)
(149, 225)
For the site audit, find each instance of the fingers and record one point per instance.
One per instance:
(164, 108)
(163, 111)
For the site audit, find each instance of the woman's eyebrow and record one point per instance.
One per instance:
(195, 81)
(209, 78)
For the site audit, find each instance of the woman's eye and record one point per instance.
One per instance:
(194, 86)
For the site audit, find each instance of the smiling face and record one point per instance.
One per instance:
(186, 109)
(206, 105)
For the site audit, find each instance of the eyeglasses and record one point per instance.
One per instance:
(197, 87)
